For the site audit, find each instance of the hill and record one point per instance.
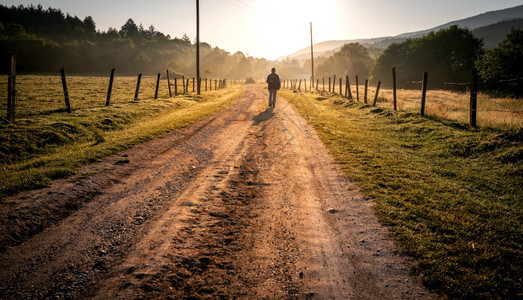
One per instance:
(491, 35)
(495, 33)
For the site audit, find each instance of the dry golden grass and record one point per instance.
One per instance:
(502, 113)
(42, 94)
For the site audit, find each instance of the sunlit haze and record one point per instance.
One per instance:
(274, 28)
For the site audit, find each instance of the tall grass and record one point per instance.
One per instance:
(504, 113)
(38, 94)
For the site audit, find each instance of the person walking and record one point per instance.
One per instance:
(273, 80)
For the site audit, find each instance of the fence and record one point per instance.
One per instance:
(461, 106)
(49, 89)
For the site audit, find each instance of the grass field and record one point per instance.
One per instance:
(502, 113)
(48, 143)
(451, 196)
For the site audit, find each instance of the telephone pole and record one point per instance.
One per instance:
(198, 81)
(312, 61)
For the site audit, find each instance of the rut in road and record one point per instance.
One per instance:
(247, 204)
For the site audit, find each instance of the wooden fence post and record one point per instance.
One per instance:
(157, 85)
(346, 86)
(423, 93)
(377, 92)
(357, 90)
(341, 81)
(193, 84)
(110, 88)
(215, 84)
(366, 86)
(474, 98)
(349, 90)
(206, 84)
(334, 85)
(11, 90)
(299, 86)
(323, 85)
(187, 85)
(168, 83)
(394, 86)
(66, 92)
(137, 87)
(329, 84)
(175, 86)
(317, 84)
(305, 82)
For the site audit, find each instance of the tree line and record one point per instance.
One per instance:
(46, 40)
(448, 55)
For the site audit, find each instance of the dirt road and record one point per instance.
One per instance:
(246, 204)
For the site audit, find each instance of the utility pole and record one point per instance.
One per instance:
(312, 61)
(198, 46)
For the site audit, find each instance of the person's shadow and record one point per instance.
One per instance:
(264, 116)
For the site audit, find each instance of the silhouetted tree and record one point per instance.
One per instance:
(351, 59)
(129, 29)
(501, 68)
(448, 55)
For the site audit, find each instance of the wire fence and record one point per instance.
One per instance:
(35, 95)
(498, 112)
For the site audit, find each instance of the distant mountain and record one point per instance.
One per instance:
(495, 33)
(482, 21)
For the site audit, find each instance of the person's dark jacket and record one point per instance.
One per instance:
(274, 81)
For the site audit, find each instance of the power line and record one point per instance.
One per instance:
(251, 9)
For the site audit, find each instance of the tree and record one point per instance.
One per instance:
(501, 68)
(448, 55)
(186, 39)
(352, 58)
(244, 68)
(89, 25)
(129, 29)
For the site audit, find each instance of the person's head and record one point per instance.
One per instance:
(273, 70)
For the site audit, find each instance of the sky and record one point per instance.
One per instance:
(275, 28)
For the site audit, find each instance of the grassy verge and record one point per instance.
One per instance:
(451, 196)
(46, 145)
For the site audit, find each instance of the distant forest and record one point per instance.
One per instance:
(46, 40)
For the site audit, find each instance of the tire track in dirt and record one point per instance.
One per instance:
(250, 205)
(73, 253)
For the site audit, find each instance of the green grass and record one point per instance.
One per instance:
(451, 196)
(47, 143)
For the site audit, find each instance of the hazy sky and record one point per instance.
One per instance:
(272, 28)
